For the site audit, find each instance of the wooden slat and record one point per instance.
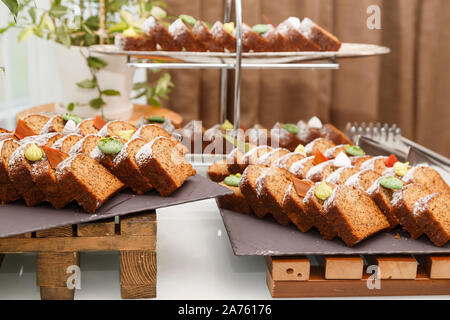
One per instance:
(138, 274)
(141, 224)
(64, 231)
(21, 236)
(97, 228)
(318, 286)
(110, 243)
(394, 267)
(289, 268)
(437, 267)
(343, 267)
(51, 273)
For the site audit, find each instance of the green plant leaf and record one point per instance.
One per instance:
(164, 84)
(25, 33)
(127, 17)
(87, 84)
(93, 22)
(116, 5)
(4, 29)
(96, 63)
(12, 5)
(118, 27)
(58, 10)
(63, 35)
(38, 32)
(32, 13)
(110, 92)
(97, 103)
(141, 85)
(140, 94)
(154, 101)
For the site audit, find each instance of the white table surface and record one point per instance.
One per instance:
(195, 261)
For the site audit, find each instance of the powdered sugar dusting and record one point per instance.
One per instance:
(297, 167)
(374, 187)
(409, 176)
(331, 201)
(249, 155)
(335, 177)
(146, 152)
(58, 143)
(265, 158)
(316, 171)
(48, 126)
(177, 28)
(354, 179)
(260, 182)
(148, 25)
(306, 27)
(370, 164)
(422, 205)
(63, 167)
(40, 140)
(310, 146)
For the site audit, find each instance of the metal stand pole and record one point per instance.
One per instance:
(224, 71)
(237, 76)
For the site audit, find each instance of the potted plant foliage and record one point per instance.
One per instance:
(92, 83)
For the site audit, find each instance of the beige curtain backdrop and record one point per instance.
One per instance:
(409, 87)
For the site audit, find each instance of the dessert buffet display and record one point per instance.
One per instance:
(337, 189)
(59, 159)
(189, 34)
(219, 139)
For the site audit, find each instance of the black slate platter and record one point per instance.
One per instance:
(16, 218)
(251, 236)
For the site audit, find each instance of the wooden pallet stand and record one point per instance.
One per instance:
(348, 276)
(58, 249)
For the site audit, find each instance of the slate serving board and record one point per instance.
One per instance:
(251, 236)
(16, 218)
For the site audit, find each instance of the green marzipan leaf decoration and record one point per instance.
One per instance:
(391, 183)
(87, 84)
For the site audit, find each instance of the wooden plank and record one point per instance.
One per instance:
(394, 267)
(97, 228)
(141, 224)
(52, 268)
(110, 243)
(437, 267)
(56, 293)
(289, 268)
(318, 286)
(21, 236)
(138, 292)
(343, 267)
(138, 274)
(64, 231)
